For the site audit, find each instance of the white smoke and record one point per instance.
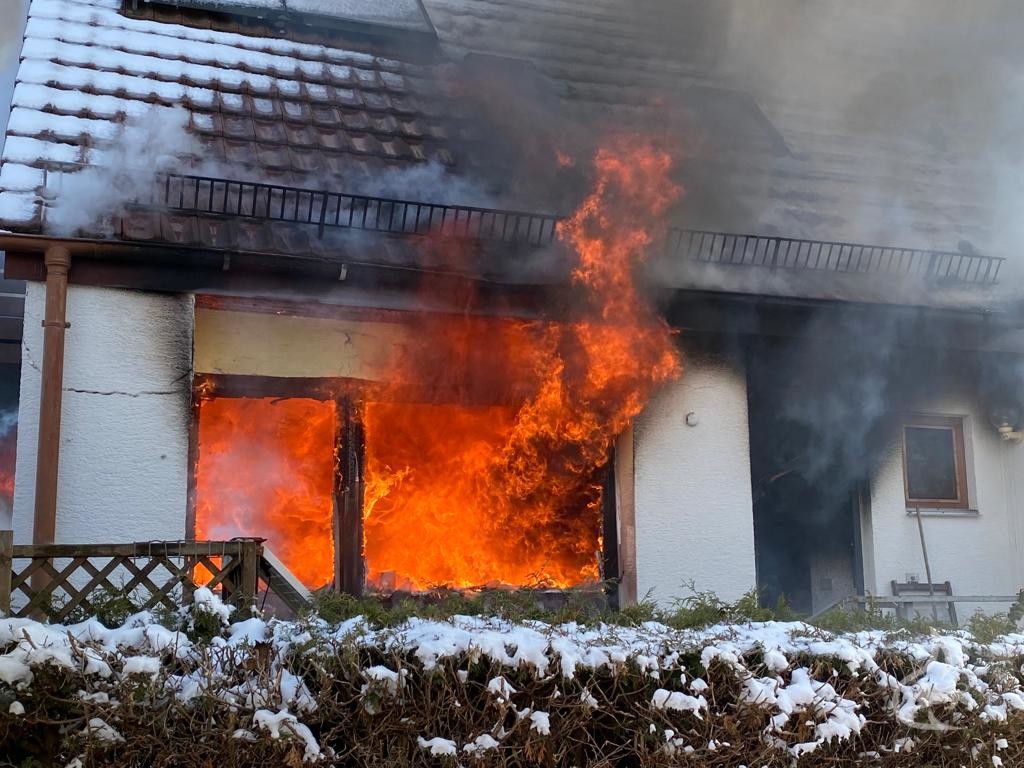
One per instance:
(121, 173)
(8, 421)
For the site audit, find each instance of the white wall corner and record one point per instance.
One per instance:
(125, 416)
(694, 505)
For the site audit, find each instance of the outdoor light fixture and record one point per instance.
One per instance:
(1005, 419)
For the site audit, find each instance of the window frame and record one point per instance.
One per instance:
(348, 396)
(956, 425)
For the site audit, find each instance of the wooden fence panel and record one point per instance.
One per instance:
(61, 581)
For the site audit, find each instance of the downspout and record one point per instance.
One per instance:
(58, 261)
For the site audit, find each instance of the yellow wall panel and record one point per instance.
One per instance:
(257, 344)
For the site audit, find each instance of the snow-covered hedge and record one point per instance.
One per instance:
(472, 691)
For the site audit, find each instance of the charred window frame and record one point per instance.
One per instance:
(348, 457)
(934, 462)
(349, 466)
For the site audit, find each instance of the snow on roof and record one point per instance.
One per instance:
(297, 113)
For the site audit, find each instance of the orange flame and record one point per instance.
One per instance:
(490, 468)
(509, 492)
(266, 469)
(8, 453)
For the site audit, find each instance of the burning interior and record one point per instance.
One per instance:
(456, 451)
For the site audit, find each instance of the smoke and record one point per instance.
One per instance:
(8, 421)
(120, 173)
(10, 48)
(909, 111)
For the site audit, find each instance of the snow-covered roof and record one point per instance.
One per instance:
(99, 87)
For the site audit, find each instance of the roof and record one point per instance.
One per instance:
(349, 112)
(91, 79)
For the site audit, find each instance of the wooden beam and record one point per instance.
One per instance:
(348, 545)
(6, 566)
(625, 499)
(610, 569)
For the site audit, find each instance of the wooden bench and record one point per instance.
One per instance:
(911, 589)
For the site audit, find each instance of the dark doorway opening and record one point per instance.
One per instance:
(806, 481)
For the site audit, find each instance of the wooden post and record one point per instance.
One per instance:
(249, 574)
(348, 501)
(58, 262)
(6, 568)
(625, 511)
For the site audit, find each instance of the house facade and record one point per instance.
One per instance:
(311, 257)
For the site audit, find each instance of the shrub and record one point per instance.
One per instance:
(441, 690)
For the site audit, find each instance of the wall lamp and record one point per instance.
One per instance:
(1006, 419)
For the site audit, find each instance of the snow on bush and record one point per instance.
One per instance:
(479, 691)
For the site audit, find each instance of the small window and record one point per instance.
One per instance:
(934, 463)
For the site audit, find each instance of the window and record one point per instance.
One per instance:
(934, 462)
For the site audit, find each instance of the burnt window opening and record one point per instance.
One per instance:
(317, 475)
(934, 462)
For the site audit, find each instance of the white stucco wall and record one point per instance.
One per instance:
(979, 554)
(694, 511)
(125, 419)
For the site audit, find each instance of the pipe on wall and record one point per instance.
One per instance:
(57, 259)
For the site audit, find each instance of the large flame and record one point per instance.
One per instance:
(266, 469)
(508, 489)
(487, 445)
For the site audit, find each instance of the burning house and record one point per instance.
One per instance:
(476, 295)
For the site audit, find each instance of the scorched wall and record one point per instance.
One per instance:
(124, 436)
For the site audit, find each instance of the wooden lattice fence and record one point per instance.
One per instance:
(60, 581)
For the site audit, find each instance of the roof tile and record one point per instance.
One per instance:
(348, 97)
(368, 78)
(396, 148)
(380, 102)
(319, 93)
(268, 108)
(239, 127)
(393, 82)
(239, 152)
(385, 123)
(406, 105)
(297, 134)
(273, 156)
(354, 121)
(205, 122)
(417, 149)
(271, 131)
(298, 111)
(325, 116)
(232, 102)
(340, 74)
(331, 140)
(365, 144)
(305, 161)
